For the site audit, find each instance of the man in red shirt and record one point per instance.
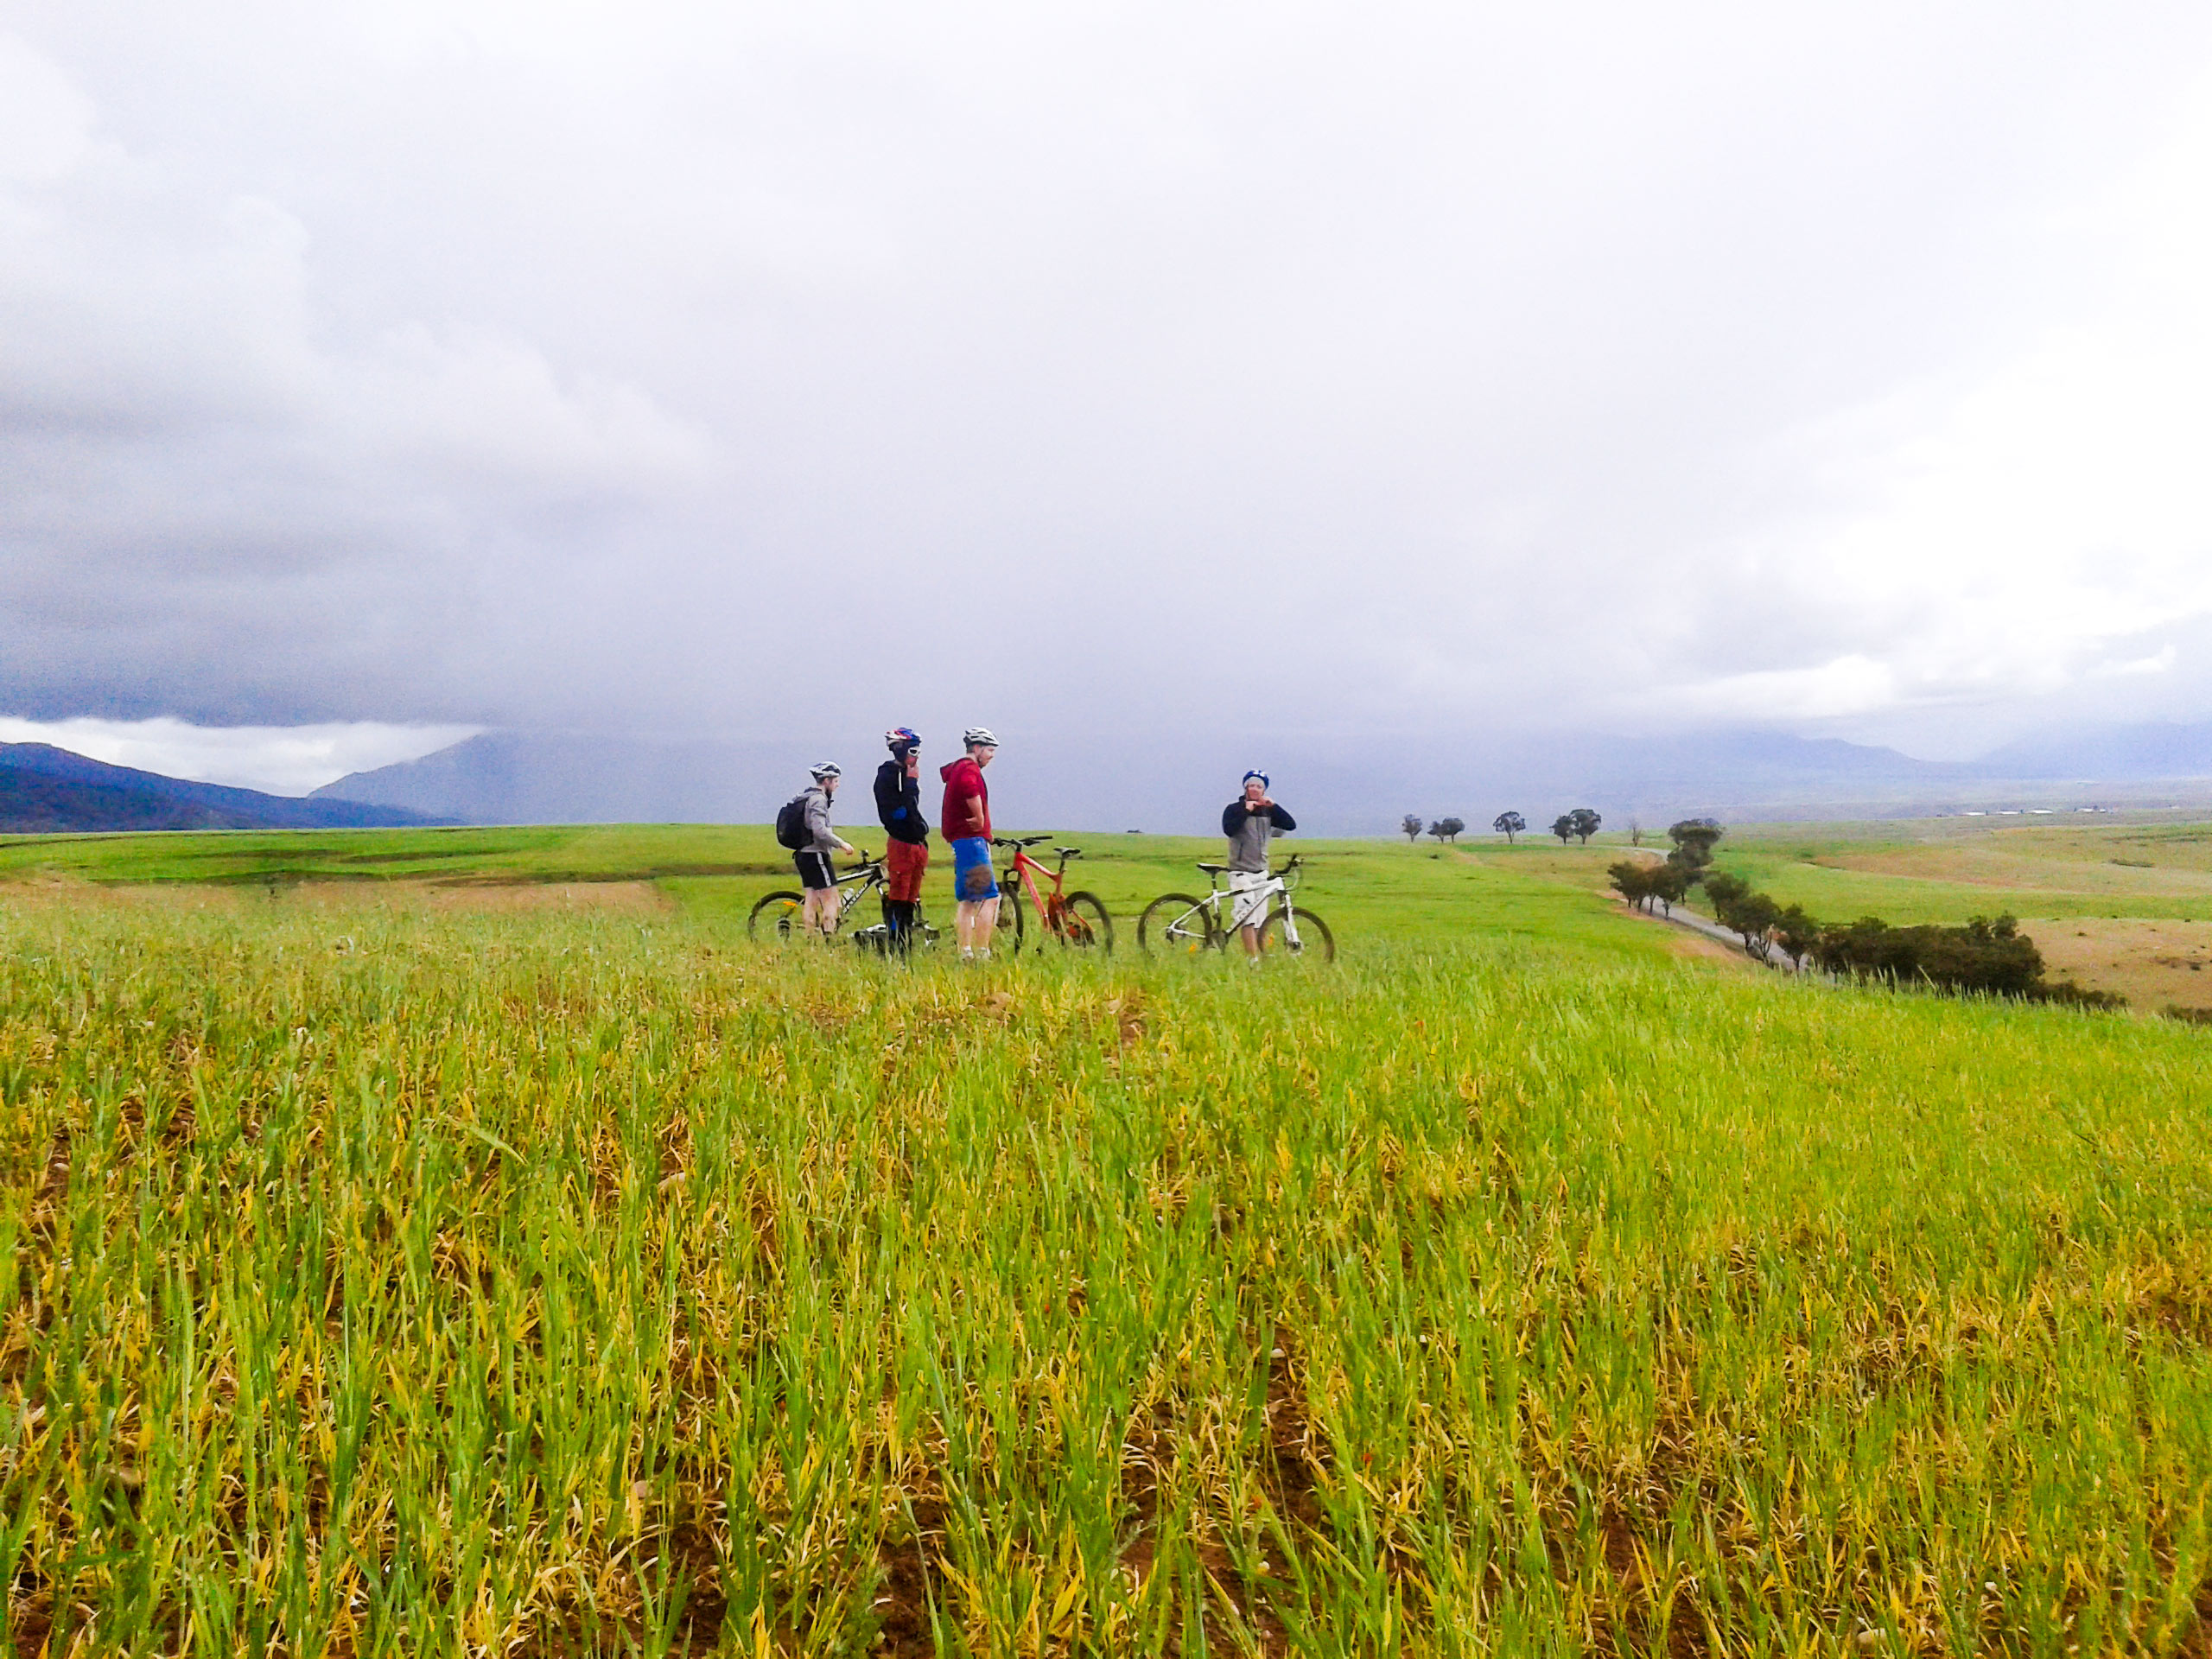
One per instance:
(966, 825)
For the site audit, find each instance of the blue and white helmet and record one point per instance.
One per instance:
(899, 739)
(1256, 773)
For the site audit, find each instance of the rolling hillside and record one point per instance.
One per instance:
(46, 791)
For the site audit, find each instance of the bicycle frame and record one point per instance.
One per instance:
(1220, 914)
(851, 887)
(1280, 885)
(856, 885)
(1183, 922)
(1049, 911)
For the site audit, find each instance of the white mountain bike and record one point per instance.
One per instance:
(1176, 923)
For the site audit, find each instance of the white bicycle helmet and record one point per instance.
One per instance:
(975, 734)
(826, 769)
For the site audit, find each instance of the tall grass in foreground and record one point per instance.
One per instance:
(551, 1286)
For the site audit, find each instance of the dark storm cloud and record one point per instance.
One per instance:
(742, 368)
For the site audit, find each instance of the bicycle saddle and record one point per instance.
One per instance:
(1069, 852)
(1213, 869)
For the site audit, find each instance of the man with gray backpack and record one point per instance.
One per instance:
(802, 825)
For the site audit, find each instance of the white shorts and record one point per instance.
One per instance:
(1248, 905)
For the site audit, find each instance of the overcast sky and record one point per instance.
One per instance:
(1071, 369)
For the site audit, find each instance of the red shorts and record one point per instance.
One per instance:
(905, 861)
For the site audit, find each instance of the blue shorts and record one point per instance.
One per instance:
(973, 878)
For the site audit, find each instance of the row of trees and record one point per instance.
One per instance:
(1578, 825)
(1442, 829)
(1992, 958)
(1666, 883)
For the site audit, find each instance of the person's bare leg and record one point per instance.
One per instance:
(987, 924)
(963, 925)
(822, 910)
(1251, 943)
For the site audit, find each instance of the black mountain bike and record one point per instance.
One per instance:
(780, 917)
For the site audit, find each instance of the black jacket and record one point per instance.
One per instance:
(1233, 816)
(899, 803)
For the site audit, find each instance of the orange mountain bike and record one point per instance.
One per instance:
(1077, 920)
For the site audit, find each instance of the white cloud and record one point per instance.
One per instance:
(280, 759)
(1848, 685)
(756, 366)
(212, 500)
(45, 120)
(2041, 525)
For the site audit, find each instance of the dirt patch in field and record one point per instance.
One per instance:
(1698, 947)
(72, 893)
(501, 898)
(1685, 945)
(2154, 964)
(472, 897)
(2022, 870)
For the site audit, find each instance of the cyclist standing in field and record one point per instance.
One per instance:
(1250, 822)
(816, 872)
(966, 825)
(906, 850)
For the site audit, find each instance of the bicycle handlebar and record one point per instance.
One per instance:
(1018, 841)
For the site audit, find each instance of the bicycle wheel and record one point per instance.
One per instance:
(1176, 923)
(777, 919)
(1008, 938)
(1313, 943)
(1084, 924)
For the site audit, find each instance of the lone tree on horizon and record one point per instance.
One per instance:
(1509, 824)
(1585, 822)
(1447, 829)
(1411, 824)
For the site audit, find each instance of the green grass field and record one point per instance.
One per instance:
(388, 1276)
(713, 873)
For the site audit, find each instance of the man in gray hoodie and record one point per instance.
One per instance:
(1250, 821)
(816, 874)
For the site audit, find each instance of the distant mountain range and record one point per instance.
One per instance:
(1336, 785)
(44, 791)
(2160, 751)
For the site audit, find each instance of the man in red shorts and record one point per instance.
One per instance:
(899, 805)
